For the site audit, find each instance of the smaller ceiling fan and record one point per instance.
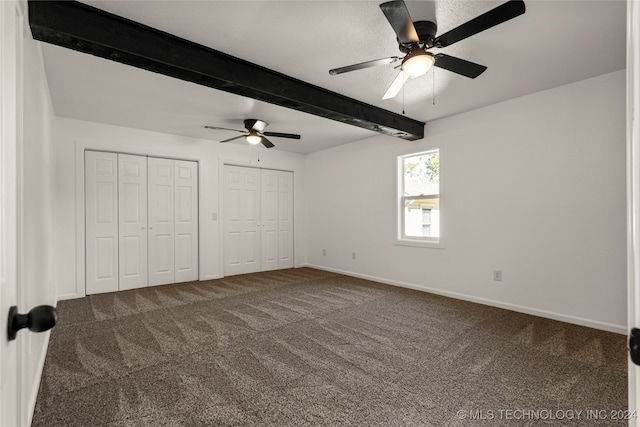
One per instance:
(415, 39)
(255, 133)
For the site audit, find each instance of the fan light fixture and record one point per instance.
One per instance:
(417, 63)
(253, 138)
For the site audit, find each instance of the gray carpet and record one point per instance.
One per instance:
(305, 347)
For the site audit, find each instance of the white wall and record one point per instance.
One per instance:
(74, 136)
(37, 227)
(534, 186)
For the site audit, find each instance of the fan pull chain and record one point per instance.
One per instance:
(251, 153)
(434, 86)
(402, 95)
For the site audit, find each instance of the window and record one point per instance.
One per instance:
(419, 190)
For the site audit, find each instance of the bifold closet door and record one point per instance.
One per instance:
(258, 220)
(132, 206)
(101, 222)
(173, 221)
(285, 219)
(141, 218)
(161, 221)
(269, 219)
(276, 219)
(241, 220)
(186, 220)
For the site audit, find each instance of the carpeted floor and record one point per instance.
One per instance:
(306, 347)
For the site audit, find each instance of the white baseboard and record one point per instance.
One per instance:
(74, 296)
(619, 329)
(69, 296)
(212, 277)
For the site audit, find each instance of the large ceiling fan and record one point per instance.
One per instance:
(255, 133)
(416, 38)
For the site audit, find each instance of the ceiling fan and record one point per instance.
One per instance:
(255, 133)
(416, 38)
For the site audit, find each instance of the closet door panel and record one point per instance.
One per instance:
(132, 197)
(232, 234)
(241, 220)
(250, 206)
(161, 221)
(269, 219)
(186, 220)
(232, 222)
(285, 219)
(258, 220)
(101, 222)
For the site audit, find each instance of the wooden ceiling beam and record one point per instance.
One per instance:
(90, 30)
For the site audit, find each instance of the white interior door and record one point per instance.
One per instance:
(285, 219)
(161, 221)
(269, 219)
(241, 220)
(633, 193)
(258, 219)
(10, 387)
(186, 221)
(132, 224)
(101, 221)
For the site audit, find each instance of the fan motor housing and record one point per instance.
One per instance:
(426, 31)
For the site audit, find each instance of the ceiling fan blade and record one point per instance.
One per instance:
(282, 135)
(362, 65)
(267, 143)
(398, 16)
(253, 124)
(397, 84)
(231, 139)
(496, 16)
(459, 66)
(219, 128)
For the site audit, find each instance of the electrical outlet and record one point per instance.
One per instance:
(324, 252)
(497, 275)
(353, 255)
(214, 216)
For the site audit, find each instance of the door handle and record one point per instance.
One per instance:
(634, 345)
(39, 319)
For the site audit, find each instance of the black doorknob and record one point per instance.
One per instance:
(39, 319)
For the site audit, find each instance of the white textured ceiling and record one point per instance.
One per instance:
(553, 43)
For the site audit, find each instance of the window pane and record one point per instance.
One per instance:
(420, 196)
(422, 218)
(422, 174)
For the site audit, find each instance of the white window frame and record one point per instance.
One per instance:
(400, 238)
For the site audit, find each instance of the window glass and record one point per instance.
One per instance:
(420, 196)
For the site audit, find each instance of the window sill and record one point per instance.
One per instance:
(420, 243)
